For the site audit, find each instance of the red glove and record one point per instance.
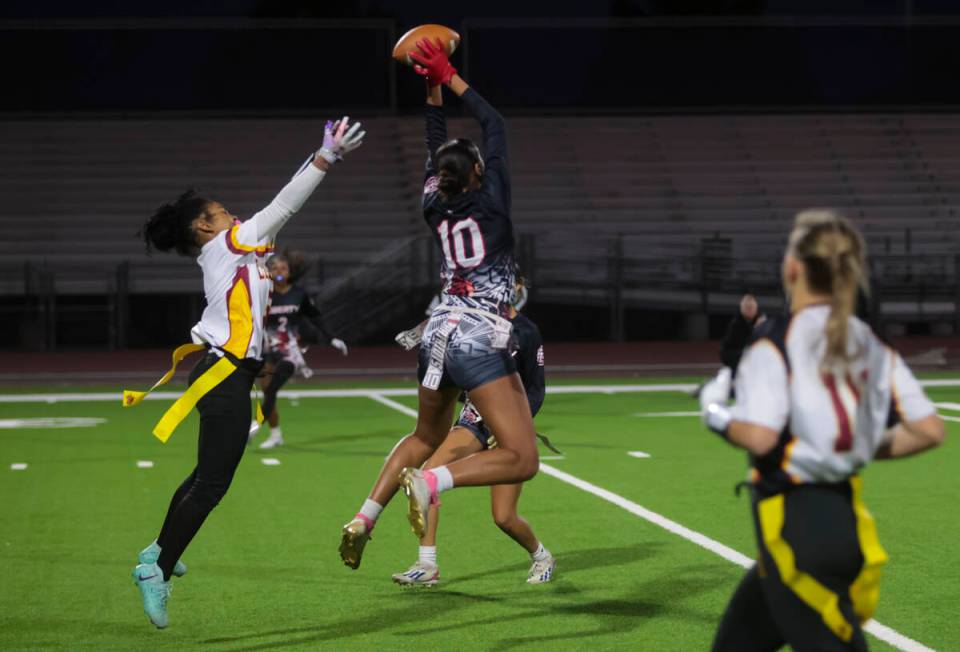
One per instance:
(434, 64)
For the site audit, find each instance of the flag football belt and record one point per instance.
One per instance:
(438, 349)
(209, 379)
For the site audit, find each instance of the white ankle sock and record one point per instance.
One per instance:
(541, 553)
(276, 433)
(444, 479)
(371, 509)
(428, 555)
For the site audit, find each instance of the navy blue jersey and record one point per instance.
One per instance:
(473, 229)
(527, 349)
(286, 311)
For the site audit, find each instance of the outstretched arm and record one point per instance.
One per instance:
(436, 124)
(339, 138)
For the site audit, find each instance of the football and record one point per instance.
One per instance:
(433, 33)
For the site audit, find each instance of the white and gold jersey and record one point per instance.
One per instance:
(235, 279)
(830, 424)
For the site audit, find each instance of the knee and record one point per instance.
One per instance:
(528, 464)
(208, 494)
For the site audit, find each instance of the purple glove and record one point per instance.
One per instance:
(339, 138)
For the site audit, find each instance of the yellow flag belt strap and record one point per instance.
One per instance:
(183, 405)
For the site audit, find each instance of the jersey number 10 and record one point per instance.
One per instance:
(456, 251)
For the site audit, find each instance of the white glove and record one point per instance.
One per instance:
(339, 345)
(339, 138)
(713, 401)
(411, 339)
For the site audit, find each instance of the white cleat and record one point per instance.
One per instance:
(272, 442)
(415, 486)
(542, 571)
(420, 574)
(254, 429)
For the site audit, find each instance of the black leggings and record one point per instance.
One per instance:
(224, 422)
(819, 527)
(281, 374)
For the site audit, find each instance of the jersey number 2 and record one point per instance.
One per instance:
(844, 399)
(456, 251)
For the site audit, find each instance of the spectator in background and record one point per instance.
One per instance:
(739, 330)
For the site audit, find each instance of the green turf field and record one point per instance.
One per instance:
(264, 570)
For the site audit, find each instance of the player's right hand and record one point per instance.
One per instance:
(434, 64)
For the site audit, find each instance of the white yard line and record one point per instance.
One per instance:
(666, 414)
(144, 464)
(296, 394)
(18, 466)
(270, 461)
(638, 454)
(884, 633)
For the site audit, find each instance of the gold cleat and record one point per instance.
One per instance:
(355, 537)
(418, 493)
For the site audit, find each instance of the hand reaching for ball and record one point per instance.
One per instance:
(433, 63)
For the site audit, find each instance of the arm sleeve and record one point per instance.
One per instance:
(531, 369)
(761, 389)
(263, 227)
(436, 123)
(496, 176)
(309, 310)
(907, 400)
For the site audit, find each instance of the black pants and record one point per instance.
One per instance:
(282, 371)
(811, 587)
(224, 422)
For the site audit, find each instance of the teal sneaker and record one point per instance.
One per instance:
(151, 554)
(154, 591)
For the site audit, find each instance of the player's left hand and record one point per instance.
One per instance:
(434, 64)
(339, 345)
(715, 393)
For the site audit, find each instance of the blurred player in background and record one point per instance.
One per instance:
(283, 355)
(818, 396)
(467, 205)
(739, 331)
(237, 287)
(470, 435)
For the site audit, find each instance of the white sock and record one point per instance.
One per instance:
(276, 433)
(428, 555)
(541, 553)
(371, 509)
(444, 479)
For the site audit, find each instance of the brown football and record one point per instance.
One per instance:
(433, 33)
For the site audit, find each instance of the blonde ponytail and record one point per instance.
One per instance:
(834, 255)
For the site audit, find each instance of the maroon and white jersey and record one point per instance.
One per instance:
(831, 423)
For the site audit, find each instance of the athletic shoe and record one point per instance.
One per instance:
(355, 537)
(254, 429)
(151, 554)
(154, 591)
(272, 442)
(418, 493)
(542, 571)
(420, 574)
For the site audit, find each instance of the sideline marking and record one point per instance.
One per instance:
(144, 464)
(666, 414)
(50, 422)
(884, 633)
(948, 406)
(388, 391)
(553, 457)
(18, 466)
(399, 407)
(639, 454)
(270, 461)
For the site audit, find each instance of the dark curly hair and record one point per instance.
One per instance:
(171, 226)
(296, 260)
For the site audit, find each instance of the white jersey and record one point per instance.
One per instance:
(235, 279)
(830, 424)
